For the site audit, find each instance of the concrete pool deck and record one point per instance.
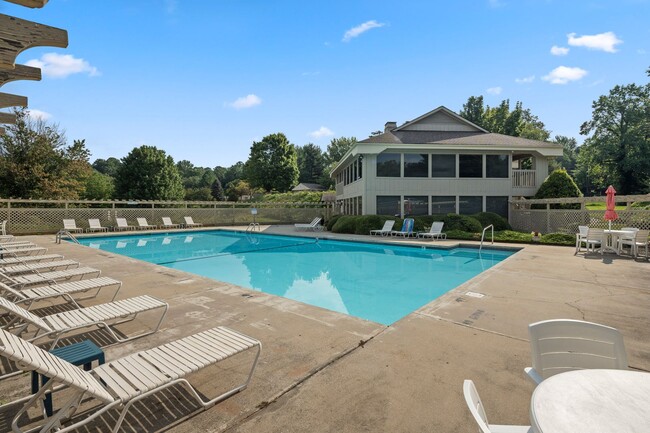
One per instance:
(322, 371)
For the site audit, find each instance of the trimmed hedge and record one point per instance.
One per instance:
(487, 218)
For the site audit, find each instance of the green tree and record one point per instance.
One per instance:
(619, 141)
(199, 194)
(217, 190)
(311, 163)
(238, 189)
(272, 164)
(147, 173)
(208, 178)
(569, 157)
(519, 122)
(35, 161)
(337, 148)
(473, 110)
(99, 187)
(107, 166)
(557, 185)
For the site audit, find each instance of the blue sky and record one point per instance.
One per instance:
(203, 79)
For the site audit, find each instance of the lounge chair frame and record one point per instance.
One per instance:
(189, 222)
(144, 225)
(37, 278)
(168, 224)
(70, 225)
(95, 226)
(122, 224)
(120, 383)
(385, 230)
(314, 225)
(26, 268)
(102, 316)
(435, 232)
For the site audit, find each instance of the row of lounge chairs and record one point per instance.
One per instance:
(29, 276)
(435, 231)
(94, 225)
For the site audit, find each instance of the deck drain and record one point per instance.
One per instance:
(475, 295)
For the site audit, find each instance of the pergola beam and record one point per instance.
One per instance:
(9, 100)
(7, 117)
(29, 3)
(20, 72)
(17, 35)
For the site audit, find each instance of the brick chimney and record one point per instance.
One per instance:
(390, 126)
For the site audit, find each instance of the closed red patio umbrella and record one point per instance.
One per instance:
(610, 213)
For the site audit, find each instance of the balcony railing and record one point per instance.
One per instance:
(523, 178)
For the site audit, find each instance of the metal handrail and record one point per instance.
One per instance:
(252, 227)
(483, 236)
(61, 233)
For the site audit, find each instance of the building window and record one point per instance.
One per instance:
(498, 205)
(416, 205)
(360, 162)
(388, 165)
(443, 165)
(443, 204)
(388, 205)
(496, 166)
(470, 165)
(416, 165)
(470, 204)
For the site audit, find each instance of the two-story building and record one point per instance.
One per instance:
(439, 163)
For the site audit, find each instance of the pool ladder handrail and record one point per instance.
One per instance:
(483, 236)
(252, 227)
(61, 233)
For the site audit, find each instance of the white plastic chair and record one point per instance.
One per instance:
(475, 406)
(595, 240)
(632, 239)
(71, 226)
(435, 232)
(385, 230)
(122, 224)
(189, 222)
(565, 345)
(95, 226)
(581, 238)
(144, 225)
(168, 224)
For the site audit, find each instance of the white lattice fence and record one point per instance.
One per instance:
(567, 220)
(47, 217)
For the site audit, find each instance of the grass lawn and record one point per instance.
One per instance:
(601, 206)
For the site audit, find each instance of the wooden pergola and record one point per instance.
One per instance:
(17, 35)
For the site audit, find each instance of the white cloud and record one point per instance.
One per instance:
(247, 101)
(525, 80)
(321, 132)
(559, 51)
(39, 115)
(564, 74)
(494, 90)
(603, 41)
(55, 65)
(361, 28)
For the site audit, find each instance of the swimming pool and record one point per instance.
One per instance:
(377, 282)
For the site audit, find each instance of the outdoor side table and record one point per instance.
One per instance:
(82, 353)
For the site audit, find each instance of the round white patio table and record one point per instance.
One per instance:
(592, 401)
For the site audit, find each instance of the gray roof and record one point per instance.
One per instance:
(308, 187)
(455, 138)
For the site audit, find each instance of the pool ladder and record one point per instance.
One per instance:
(61, 233)
(252, 227)
(483, 236)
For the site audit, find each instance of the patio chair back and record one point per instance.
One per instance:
(121, 222)
(167, 221)
(436, 227)
(3, 228)
(475, 406)
(70, 224)
(565, 345)
(94, 223)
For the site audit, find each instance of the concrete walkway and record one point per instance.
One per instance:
(322, 371)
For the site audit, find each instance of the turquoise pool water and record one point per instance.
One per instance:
(378, 282)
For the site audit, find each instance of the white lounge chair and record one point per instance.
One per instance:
(123, 225)
(168, 224)
(189, 222)
(407, 228)
(120, 383)
(95, 226)
(314, 225)
(10, 261)
(435, 232)
(38, 267)
(41, 278)
(564, 345)
(70, 225)
(475, 406)
(144, 225)
(385, 230)
(90, 288)
(20, 251)
(3, 231)
(104, 316)
(14, 243)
